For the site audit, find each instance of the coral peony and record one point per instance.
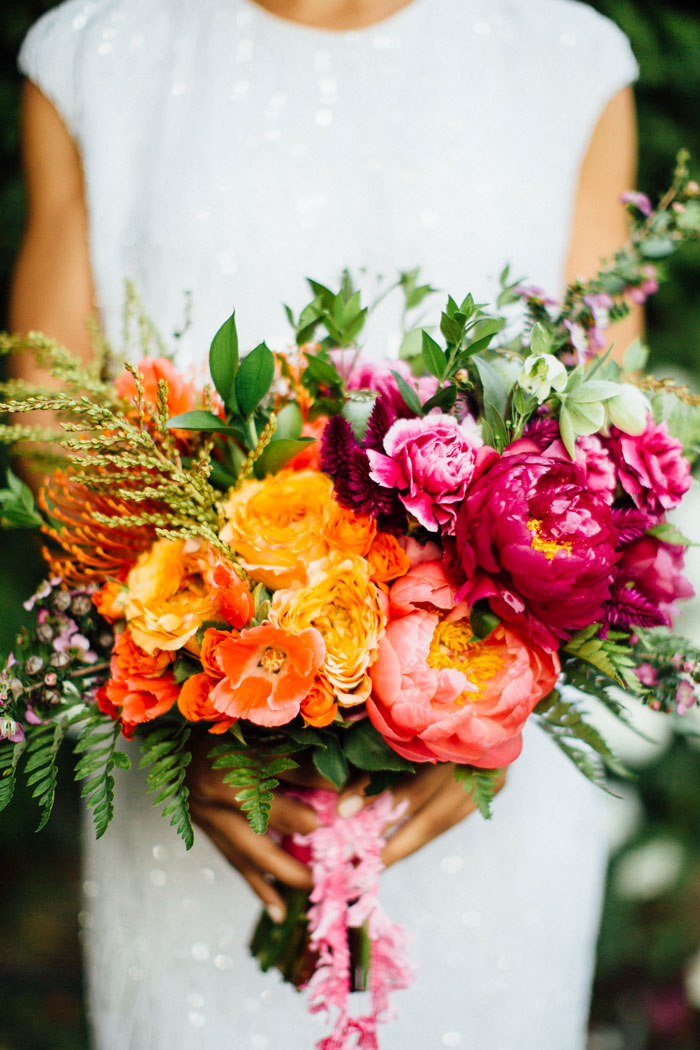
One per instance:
(651, 467)
(276, 525)
(535, 541)
(439, 695)
(343, 604)
(268, 672)
(140, 687)
(430, 461)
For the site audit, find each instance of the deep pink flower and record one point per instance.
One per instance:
(637, 200)
(537, 542)
(360, 374)
(430, 462)
(651, 467)
(655, 569)
(685, 698)
(593, 456)
(647, 674)
(639, 293)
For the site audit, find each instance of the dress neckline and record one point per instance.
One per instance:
(389, 21)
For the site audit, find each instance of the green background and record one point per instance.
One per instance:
(647, 994)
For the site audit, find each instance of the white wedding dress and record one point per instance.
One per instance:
(230, 153)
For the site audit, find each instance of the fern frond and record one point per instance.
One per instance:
(254, 775)
(606, 655)
(10, 756)
(40, 770)
(97, 744)
(481, 784)
(564, 722)
(164, 751)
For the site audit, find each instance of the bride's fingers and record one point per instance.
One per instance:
(445, 808)
(236, 839)
(255, 878)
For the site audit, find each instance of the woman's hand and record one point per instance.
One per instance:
(434, 803)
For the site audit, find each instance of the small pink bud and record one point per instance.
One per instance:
(692, 188)
(678, 207)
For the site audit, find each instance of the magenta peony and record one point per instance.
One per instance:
(593, 456)
(361, 374)
(430, 463)
(655, 569)
(651, 467)
(537, 542)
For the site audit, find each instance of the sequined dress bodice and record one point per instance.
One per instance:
(229, 154)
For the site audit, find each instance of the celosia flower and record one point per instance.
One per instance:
(430, 463)
(268, 671)
(439, 695)
(194, 703)
(535, 541)
(651, 467)
(140, 687)
(342, 603)
(276, 524)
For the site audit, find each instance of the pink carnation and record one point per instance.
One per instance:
(651, 467)
(439, 696)
(536, 541)
(430, 461)
(654, 568)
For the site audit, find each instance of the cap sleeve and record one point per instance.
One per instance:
(49, 57)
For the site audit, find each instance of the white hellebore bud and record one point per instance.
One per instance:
(628, 410)
(541, 374)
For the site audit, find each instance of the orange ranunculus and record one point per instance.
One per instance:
(346, 531)
(235, 600)
(310, 457)
(387, 559)
(181, 395)
(343, 604)
(320, 706)
(169, 594)
(267, 673)
(195, 703)
(275, 525)
(209, 649)
(139, 688)
(109, 600)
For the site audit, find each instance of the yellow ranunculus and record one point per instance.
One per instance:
(342, 603)
(275, 525)
(167, 595)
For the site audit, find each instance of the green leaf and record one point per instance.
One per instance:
(540, 339)
(10, 756)
(202, 420)
(289, 422)
(278, 453)
(495, 388)
(669, 534)
(481, 619)
(366, 749)
(254, 378)
(331, 762)
(382, 780)
(223, 361)
(254, 775)
(408, 393)
(165, 756)
(481, 784)
(41, 772)
(443, 399)
(322, 371)
(656, 247)
(433, 356)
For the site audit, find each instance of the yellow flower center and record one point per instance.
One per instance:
(452, 646)
(272, 660)
(547, 547)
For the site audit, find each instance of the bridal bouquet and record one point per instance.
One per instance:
(377, 565)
